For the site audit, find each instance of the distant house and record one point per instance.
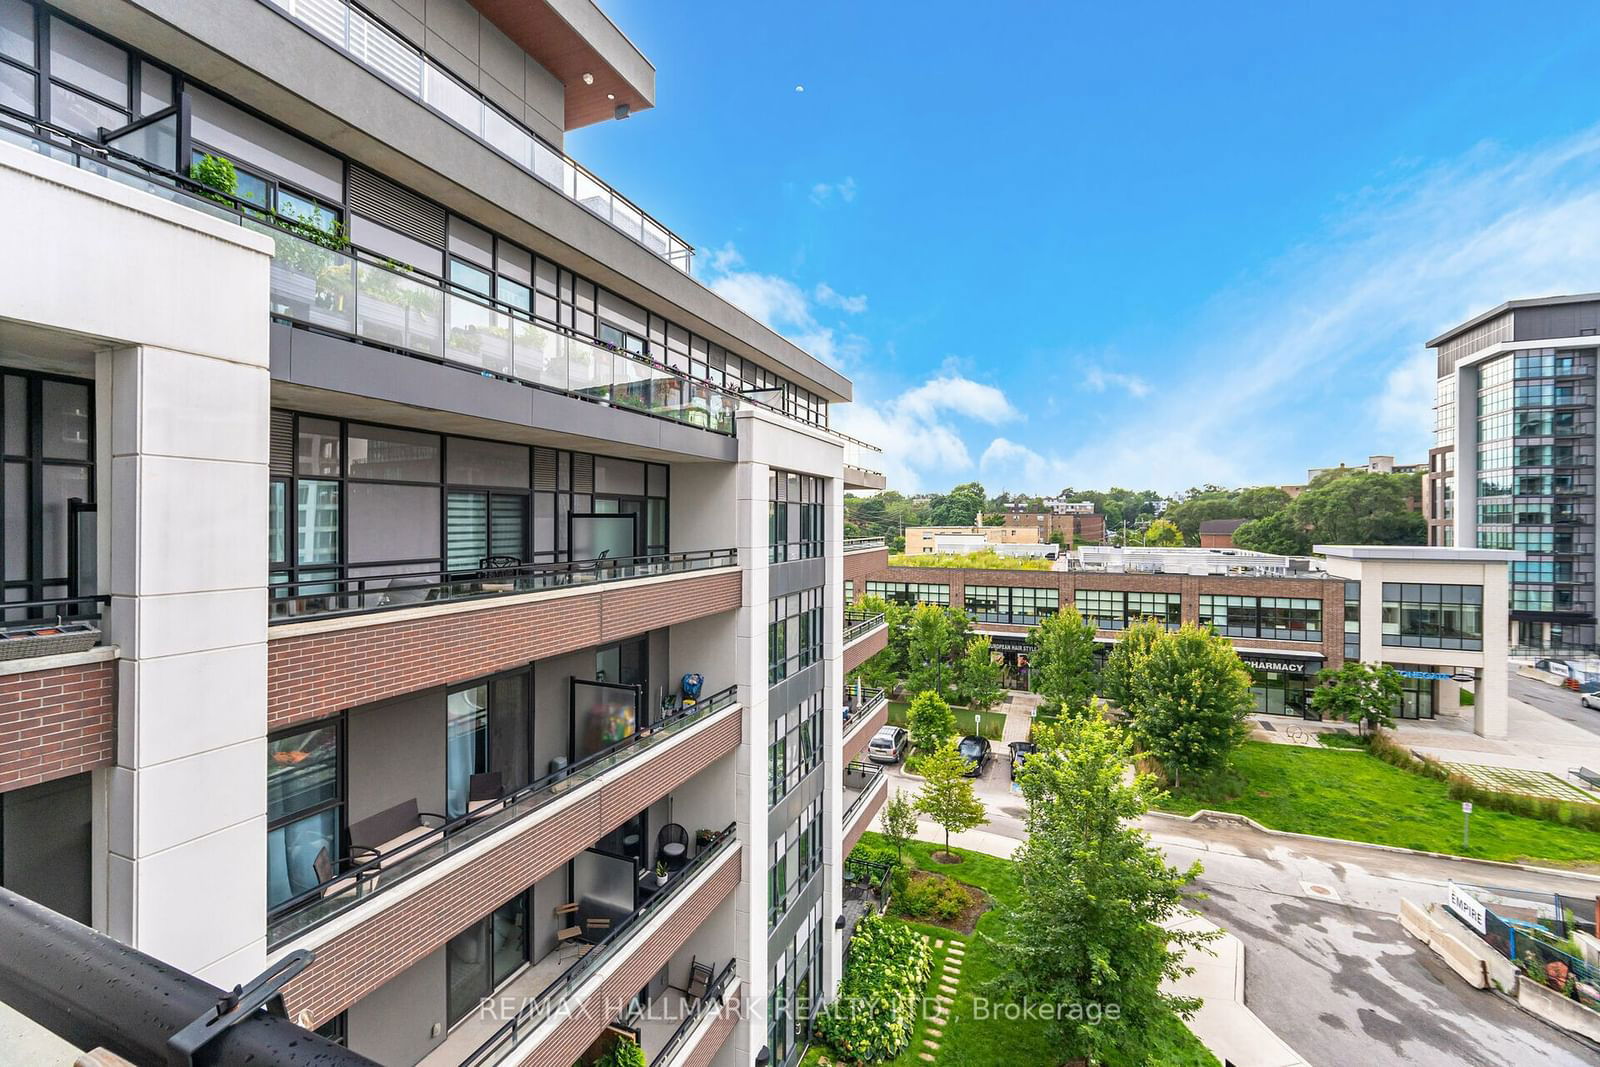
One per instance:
(1218, 533)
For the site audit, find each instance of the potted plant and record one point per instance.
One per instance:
(661, 873)
(705, 838)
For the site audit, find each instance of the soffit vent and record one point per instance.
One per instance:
(282, 450)
(383, 201)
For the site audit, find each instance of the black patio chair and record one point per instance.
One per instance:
(672, 846)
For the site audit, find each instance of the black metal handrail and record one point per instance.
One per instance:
(859, 623)
(872, 775)
(870, 701)
(360, 881)
(536, 1010)
(367, 593)
(43, 611)
(712, 995)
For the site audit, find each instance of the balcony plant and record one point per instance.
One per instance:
(661, 873)
(624, 1052)
(216, 172)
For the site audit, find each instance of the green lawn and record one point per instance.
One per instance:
(1360, 798)
(968, 1042)
(993, 722)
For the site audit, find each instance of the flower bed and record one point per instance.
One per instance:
(876, 1011)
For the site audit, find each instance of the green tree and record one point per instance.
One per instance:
(930, 721)
(958, 507)
(1126, 663)
(933, 639)
(1363, 508)
(1162, 533)
(1202, 505)
(899, 822)
(978, 676)
(1280, 533)
(624, 1052)
(946, 795)
(1062, 667)
(1096, 899)
(1189, 703)
(1364, 693)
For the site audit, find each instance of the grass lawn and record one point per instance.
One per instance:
(969, 1042)
(993, 722)
(1361, 798)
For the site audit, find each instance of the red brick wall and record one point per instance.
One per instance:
(313, 675)
(864, 817)
(861, 651)
(580, 1029)
(856, 739)
(857, 565)
(716, 1034)
(360, 960)
(57, 722)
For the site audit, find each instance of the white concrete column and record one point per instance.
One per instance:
(1447, 698)
(1490, 717)
(184, 521)
(833, 715)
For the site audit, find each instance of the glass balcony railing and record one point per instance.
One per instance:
(359, 882)
(379, 49)
(862, 544)
(316, 598)
(858, 623)
(623, 937)
(860, 704)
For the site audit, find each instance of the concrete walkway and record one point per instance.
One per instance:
(1230, 1030)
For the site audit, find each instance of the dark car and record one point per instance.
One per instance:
(888, 745)
(975, 750)
(1020, 751)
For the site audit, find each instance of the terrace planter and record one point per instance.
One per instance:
(48, 640)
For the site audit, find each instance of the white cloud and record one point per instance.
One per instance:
(1099, 380)
(1407, 398)
(827, 296)
(824, 192)
(726, 258)
(920, 429)
(778, 302)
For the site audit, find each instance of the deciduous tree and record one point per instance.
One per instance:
(1062, 667)
(899, 822)
(1364, 693)
(1127, 659)
(1189, 703)
(930, 722)
(947, 797)
(1162, 534)
(978, 676)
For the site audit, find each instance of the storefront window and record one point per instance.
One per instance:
(1433, 616)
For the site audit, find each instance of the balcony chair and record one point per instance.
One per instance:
(672, 846)
(700, 978)
(569, 936)
(408, 591)
(498, 574)
(392, 834)
(484, 790)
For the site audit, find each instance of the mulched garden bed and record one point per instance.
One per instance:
(966, 920)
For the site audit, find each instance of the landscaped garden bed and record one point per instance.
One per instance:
(875, 1014)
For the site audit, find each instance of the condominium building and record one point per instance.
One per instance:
(1436, 614)
(1074, 522)
(407, 559)
(925, 540)
(1513, 458)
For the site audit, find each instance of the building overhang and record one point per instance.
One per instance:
(574, 40)
(1419, 553)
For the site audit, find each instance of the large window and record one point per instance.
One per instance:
(47, 483)
(909, 593)
(796, 747)
(794, 856)
(305, 801)
(794, 633)
(1110, 609)
(487, 732)
(1433, 616)
(1274, 618)
(794, 516)
(1012, 605)
(484, 956)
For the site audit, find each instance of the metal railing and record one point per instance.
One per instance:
(863, 777)
(536, 1010)
(371, 43)
(316, 598)
(861, 544)
(863, 709)
(713, 995)
(859, 623)
(359, 882)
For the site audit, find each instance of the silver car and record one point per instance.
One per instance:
(888, 745)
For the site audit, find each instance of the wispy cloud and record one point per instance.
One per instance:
(787, 308)
(826, 192)
(921, 429)
(827, 296)
(1099, 380)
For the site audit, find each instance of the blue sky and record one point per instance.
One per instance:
(1148, 245)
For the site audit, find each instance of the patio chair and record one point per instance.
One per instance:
(392, 834)
(568, 936)
(484, 790)
(498, 574)
(700, 978)
(595, 928)
(672, 845)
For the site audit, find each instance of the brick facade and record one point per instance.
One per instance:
(864, 817)
(314, 674)
(858, 652)
(858, 733)
(57, 722)
(859, 564)
(574, 1036)
(354, 963)
(716, 1035)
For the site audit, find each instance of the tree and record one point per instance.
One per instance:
(1363, 508)
(1189, 703)
(1198, 506)
(1163, 534)
(932, 640)
(1126, 663)
(1364, 693)
(1280, 534)
(899, 822)
(978, 676)
(624, 1052)
(947, 796)
(930, 722)
(958, 507)
(1062, 668)
(1096, 898)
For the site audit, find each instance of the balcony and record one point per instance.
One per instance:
(865, 635)
(859, 623)
(570, 795)
(864, 544)
(57, 691)
(552, 992)
(866, 788)
(861, 461)
(668, 1046)
(865, 710)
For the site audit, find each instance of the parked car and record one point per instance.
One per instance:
(975, 750)
(1589, 695)
(1020, 751)
(888, 745)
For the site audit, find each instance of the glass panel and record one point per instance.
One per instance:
(508, 517)
(66, 421)
(317, 447)
(541, 355)
(466, 744)
(302, 771)
(16, 89)
(311, 283)
(477, 335)
(622, 476)
(16, 31)
(155, 89)
(589, 370)
(450, 98)
(385, 454)
(474, 462)
(292, 853)
(93, 65)
(396, 310)
(466, 970)
(466, 530)
(304, 210)
(509, 938)
(60, 485)
(602, 716)
(17, 525)
(602, 536)
(156, 144)
(16, 415)
(393, 522)
(82, 115)
(277, 547)
(317, 522)
(470, 277)
(508, 730)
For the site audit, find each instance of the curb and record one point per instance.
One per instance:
(1229, 816)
